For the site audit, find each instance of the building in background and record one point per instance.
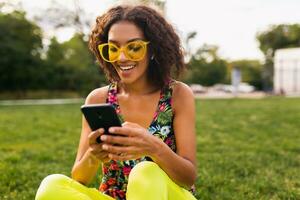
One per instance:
(287, 71)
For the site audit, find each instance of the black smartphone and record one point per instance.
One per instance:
(100, 116)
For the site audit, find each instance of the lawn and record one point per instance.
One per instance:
(247, 149)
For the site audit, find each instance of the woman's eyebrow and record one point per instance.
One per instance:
(134, 39)
(131, 40)
(113, 41)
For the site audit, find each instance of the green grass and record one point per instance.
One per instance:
(247, 149)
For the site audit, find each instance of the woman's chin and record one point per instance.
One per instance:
(127, 81)
(127, 77)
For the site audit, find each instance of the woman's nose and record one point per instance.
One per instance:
(122, 56)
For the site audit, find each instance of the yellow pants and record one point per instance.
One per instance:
(147, 181)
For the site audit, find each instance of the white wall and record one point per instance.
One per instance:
(287, 71)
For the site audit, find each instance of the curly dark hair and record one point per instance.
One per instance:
(164, 44)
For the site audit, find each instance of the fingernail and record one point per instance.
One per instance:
(111, 129)
(104, 147)
(103, 137)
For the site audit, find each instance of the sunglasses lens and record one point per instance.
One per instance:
(113, 52)
(135, 50)
(109, 52)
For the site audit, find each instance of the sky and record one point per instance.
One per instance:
(230, 24)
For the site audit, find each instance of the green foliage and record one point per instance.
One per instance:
(55, 53)
(206, 68)
(251, 71)
(72, 65)
(20, 46)
(276, 37)
(246, 149)
(68, 66)
(76, 53)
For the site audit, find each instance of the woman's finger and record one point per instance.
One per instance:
(130, 124)
(120, 140)
(92, 137)
(116, 149)
(126, 131)
(99, 153)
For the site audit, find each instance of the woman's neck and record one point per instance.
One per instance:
(140, 88)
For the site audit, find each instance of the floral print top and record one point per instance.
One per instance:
(115, 173)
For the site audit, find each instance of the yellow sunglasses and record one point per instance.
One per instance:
(134, 51)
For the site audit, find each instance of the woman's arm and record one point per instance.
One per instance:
(89, 154)
(184, 171)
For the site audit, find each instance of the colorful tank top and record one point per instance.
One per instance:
(115, 173)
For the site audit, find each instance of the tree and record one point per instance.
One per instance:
(20, 47)
(276, 37)
(72, 66)
(205, 67)
(79, 60)
(65, 66)
(54, 69)
(188, 53)
(59, 16)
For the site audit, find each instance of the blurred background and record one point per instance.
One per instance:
(243, 61)
(230, 47)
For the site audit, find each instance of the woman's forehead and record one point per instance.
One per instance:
(124, 31)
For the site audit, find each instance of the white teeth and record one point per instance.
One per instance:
(127, 67)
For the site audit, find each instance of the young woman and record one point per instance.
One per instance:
(153, 155)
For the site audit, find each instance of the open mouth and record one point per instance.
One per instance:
(126, 67)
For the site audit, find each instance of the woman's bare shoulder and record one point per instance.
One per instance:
(182, 96)
(98, 95)
(181, 90)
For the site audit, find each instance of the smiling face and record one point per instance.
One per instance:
(120, 34)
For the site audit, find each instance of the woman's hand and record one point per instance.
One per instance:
(131, 141)
(96, 148)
